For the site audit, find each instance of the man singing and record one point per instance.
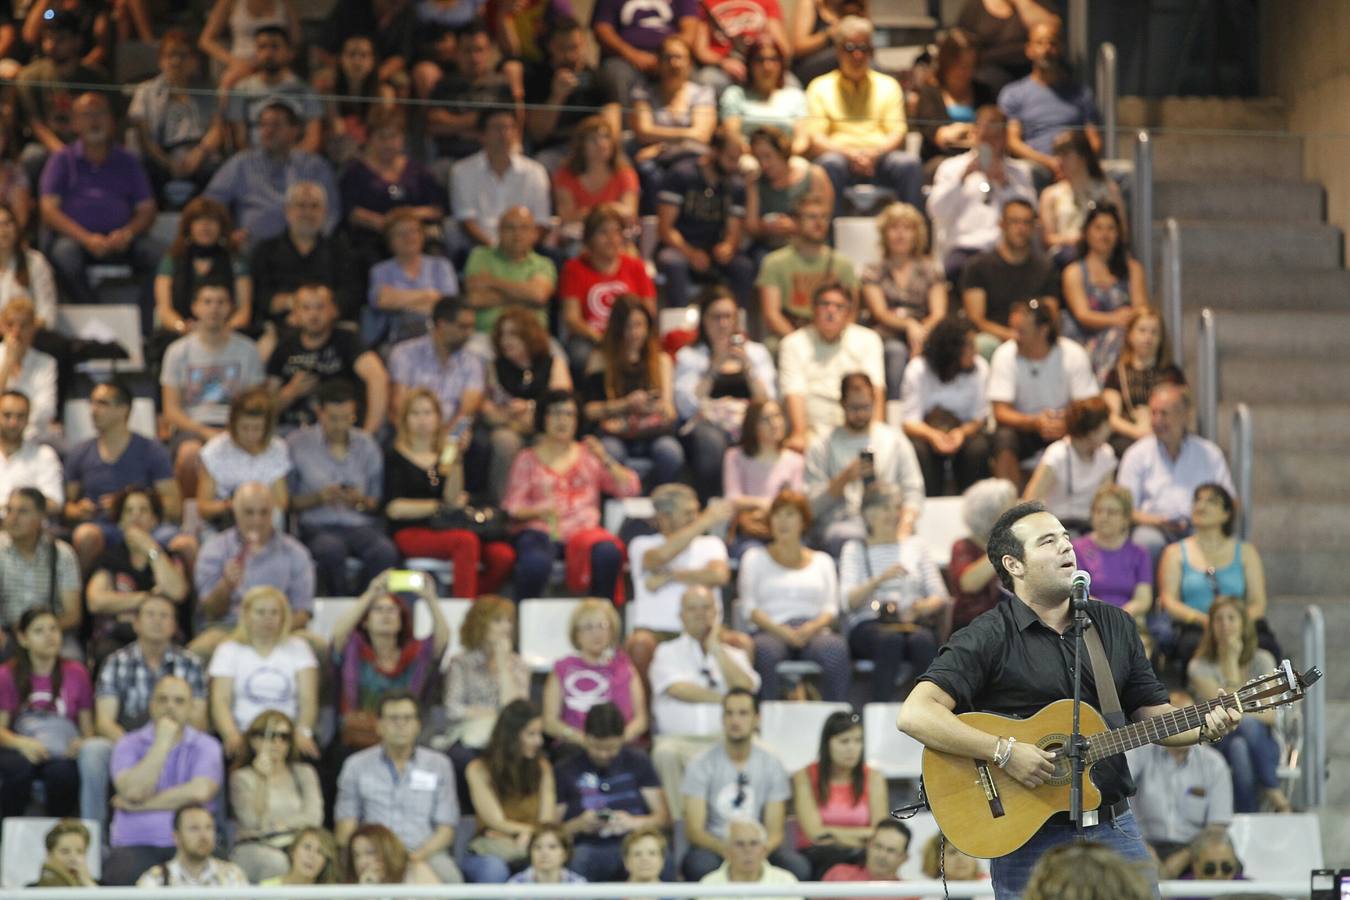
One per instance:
(1018, 657)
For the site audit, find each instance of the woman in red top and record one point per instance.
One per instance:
(595, 172)
(554, 499)
(838, 799)
(591, 282)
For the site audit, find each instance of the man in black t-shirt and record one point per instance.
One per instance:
(1013, 270)
(477, 83)
(314, 351)
(563, 91)
(1018, 657)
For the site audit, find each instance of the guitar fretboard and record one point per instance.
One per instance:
(1156, 728)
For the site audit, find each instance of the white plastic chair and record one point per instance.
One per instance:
(24, 847)
(940, 525)
(886, 748)
(120, 322)
(1277, 846)
(618, 510)
(544, 634)
(856, 239)
(791, 730)
(921, 827)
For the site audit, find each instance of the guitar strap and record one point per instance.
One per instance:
(1101, 676)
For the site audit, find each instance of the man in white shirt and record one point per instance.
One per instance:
(689, 675)
(1032, 378)
(194, 837)
(25, 463)
(969, 192)
(25, 369)
(1163, 470)
(812, 362)
(856, 454)
(488, 183)
(748, 859)
(681, 554)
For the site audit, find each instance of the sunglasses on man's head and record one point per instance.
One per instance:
(742, 782)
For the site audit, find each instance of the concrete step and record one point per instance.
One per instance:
(1273, 201)
(1293, 426)
(1286, 334)
(1285, 379)
(1265, 289)
(1255, 244)
(1217, 158)
(1226, 113)
(1304, 525)
(1285, 613)
(1303, 572)
(1294, 473)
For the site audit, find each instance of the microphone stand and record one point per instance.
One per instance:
(1077, 745)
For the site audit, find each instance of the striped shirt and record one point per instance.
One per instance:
(128, 677)
(860, 563)
(26, 582)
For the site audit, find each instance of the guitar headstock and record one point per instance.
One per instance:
(1283, 686)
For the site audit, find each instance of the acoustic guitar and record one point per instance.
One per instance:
(986, 813)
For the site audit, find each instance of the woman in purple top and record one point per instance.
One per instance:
(46, 714)
(377, 653)
(598, 673)
(1122, 573)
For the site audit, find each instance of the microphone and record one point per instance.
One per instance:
(1079, 589)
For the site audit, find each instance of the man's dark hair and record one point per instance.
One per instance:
(213, 284)
(1042, 313)
(1002, 541)
(474, 28)
(446, 309)
(741, 692)
(34, 496)
(274, 31)
(292, 115)
(184, 810)
(604, 721)
(830, 287)
(334, 391)
(20, 394)
(499, 105)
(121, 393)
(893, 825)
(855, 381)
(395, 696)
(564, 25)
(1018, 201)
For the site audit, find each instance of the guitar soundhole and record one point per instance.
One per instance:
(1054, 743)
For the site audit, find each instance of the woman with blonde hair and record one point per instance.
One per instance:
(375, 855)
(314, 859)
(571, 688)
(262, 643)
(906, 292)
(274, 797)
(1227, 657)
(423, 482)
(248, 450)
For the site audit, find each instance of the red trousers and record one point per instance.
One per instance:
(465, 551)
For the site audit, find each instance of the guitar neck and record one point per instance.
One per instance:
(1155, 728)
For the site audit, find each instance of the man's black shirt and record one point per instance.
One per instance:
(1009, 662)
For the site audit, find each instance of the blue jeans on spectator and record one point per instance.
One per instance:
(738, 275)
(1010, 873)
(94, 761)
(897, 357)
(331, 545)
(535, 553)
(705, 445)
(484, 869)
(900, 171)
(1254, 756)
(61, 777)
(826, 649)
(699, 861)
(889, 649)
(656, 460)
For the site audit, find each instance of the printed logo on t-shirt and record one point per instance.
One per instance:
(214, 383)
(268, 688)
(736, 800)
(735, 18)
(600, 300)
(655, 15)
(584, 688)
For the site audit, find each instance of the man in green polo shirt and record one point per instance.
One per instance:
(510, 274)
(789, 276)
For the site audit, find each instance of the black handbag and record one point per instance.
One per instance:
(488, 522)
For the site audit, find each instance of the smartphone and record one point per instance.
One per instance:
(604, 815)
(738, 340)
(449, 454)
(869, 467)
(401, 580)
(986, 157)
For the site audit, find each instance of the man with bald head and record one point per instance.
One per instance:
(303, 254)
(97, 203)
(250, 554)
(156, 770)
(510, 274)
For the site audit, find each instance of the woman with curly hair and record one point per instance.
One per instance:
(200, 255)
(944, 408)
(375, 855)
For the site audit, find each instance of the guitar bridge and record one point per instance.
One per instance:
(990, 789)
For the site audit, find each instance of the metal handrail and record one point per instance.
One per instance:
(1314, 781)
(1107, 88)
(1169, 288)
(1207, 379)
(1242, 458)
(1141, 219)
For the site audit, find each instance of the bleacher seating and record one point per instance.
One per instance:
(544, 636)
(792, 729)
(888, 750)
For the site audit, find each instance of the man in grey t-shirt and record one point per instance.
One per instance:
(736, 779)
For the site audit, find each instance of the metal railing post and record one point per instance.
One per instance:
(1313, 783)
(1107, 87)
(1170, 285)
(1207, 378)
(1141, 219)
(1242, 459)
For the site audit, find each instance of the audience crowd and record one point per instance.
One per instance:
(438, 331)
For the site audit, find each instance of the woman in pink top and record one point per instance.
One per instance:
(599, 673)
(553, 497)
(754, 473)
(838, 799)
